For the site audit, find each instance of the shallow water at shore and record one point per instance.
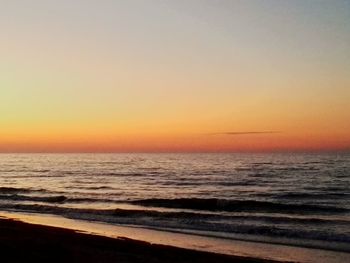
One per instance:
(201, 243)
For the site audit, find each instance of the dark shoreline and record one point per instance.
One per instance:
(23, 242)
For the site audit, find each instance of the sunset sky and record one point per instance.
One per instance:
(174, 75)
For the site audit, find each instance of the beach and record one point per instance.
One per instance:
(48, 234)
(23, 242)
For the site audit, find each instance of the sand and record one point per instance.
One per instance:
(23, 242)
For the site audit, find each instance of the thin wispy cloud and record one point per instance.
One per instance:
(244, 132)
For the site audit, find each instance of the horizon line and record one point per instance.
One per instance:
(182, 152)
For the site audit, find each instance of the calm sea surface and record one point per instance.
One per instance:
(297, 199)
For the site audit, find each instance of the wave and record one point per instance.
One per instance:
(13, 190)
(48, 199)
(189, 214)
(314, 196)
(214, 204)
(23, 194)
(90, 187)
(186, 221)
(97, 188)
(93, 200)
(24, 170)
(209, 204)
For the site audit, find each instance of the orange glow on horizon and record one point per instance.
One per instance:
(178, 143)
(167, 77)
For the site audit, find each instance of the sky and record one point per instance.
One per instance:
(174, 75)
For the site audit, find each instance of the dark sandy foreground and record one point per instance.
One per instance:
(22, 242)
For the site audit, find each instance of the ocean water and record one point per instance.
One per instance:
(294, 199)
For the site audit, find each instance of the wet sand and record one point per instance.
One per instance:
(23, 242)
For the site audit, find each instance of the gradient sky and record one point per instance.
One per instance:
(180, 75)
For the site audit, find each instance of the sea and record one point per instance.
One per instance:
(297, 199)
